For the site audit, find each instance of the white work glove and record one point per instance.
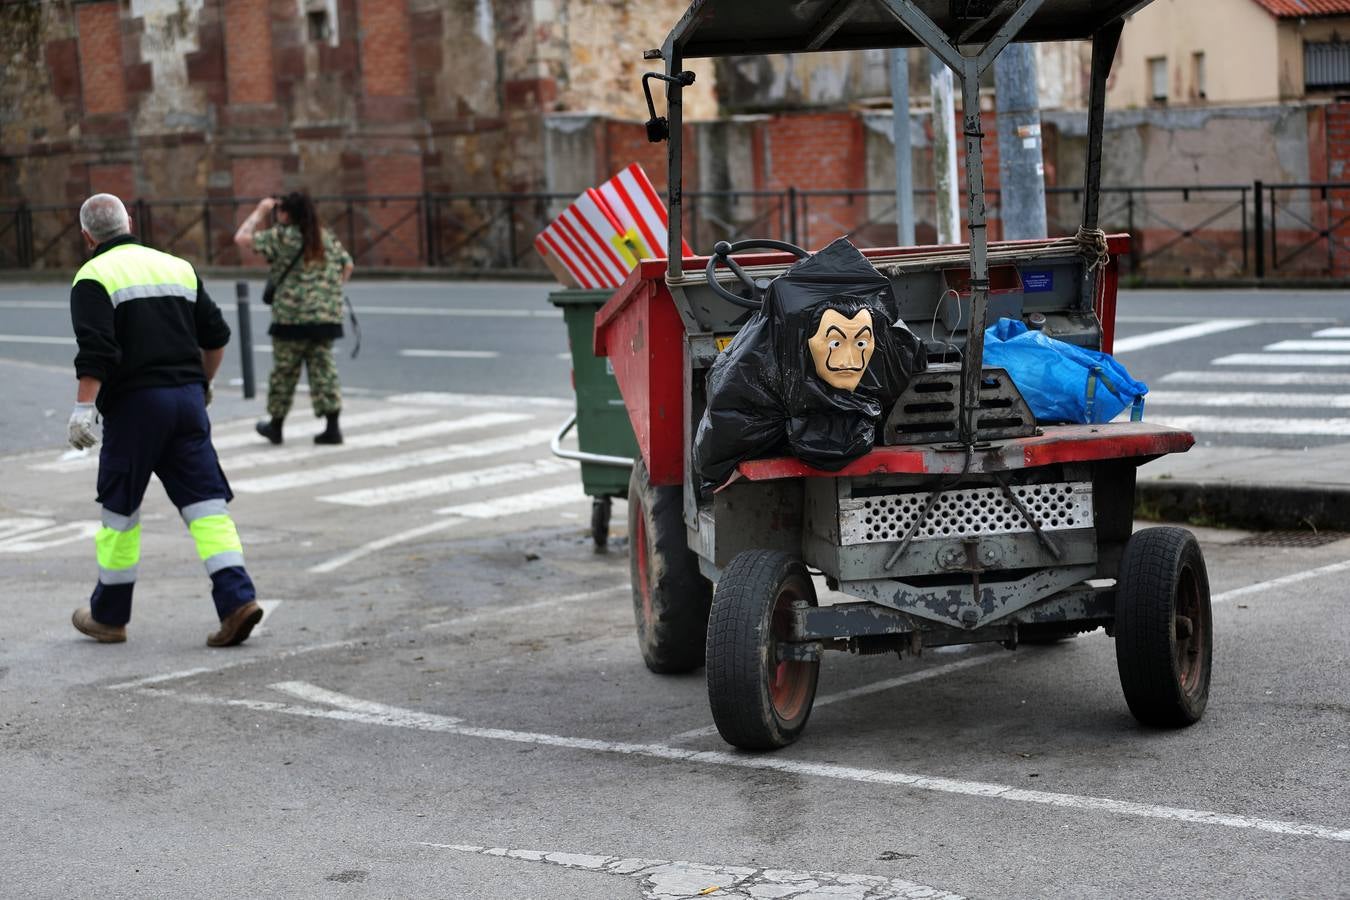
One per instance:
(81, 428)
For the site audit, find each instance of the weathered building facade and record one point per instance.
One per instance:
(199, 100)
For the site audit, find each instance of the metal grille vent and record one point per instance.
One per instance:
(965, 513)
(1291, 539)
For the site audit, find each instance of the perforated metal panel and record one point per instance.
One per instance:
(966, 513)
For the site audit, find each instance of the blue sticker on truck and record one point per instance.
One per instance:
(1037, 282)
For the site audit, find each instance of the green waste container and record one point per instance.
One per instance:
(604, 433)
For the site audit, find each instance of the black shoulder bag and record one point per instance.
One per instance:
(270, 288)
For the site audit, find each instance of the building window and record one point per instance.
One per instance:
(1198, 75)
(1157, 79)
(1326, 66)
(321, 21)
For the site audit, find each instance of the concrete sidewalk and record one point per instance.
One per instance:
(1248, 487)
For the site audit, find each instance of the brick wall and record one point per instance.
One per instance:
(1337, 119)
(101, 69)
(386, 48)
(817, 150)
(113, 178)
(248, 52)
(393, 235)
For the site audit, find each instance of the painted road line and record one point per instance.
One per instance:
(47, 538)
(403, 718)
(232, 435)
(1180, 333)
(14, 527)
(864, 690)
(1236, 401)
(1326, 346)
(432, 311)
(1283, 359)
(1329, 427)
(663, 879)
(479, 401)
(516, 503)
(461, 515)
(449, 484)
(349, 709)
(268, 607)
(35, 304)
(1283, 320)
(1280, 582)
(506, 611)
(450, 354)
(181, 674)
(273, 456)
(36, 339)
(1332, 333)
(1268, 379)
(394, 463)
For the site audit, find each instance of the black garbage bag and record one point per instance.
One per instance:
(830, 316)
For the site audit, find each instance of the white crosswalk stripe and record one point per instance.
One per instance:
(1236, 401)
(1268, 379)
(1181, 333)
(1313, 346)
(1284, 359)
(395, 463)
(272, 456)
(449, 484)
(1330, 427)
(1332, 333)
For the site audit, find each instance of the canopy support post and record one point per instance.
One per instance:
(674, 175)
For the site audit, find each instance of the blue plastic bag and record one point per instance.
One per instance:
(1062, 382)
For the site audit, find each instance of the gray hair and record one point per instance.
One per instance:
(104, 217)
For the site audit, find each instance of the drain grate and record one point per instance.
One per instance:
(1291, 539)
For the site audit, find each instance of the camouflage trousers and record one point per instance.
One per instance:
(317, 358)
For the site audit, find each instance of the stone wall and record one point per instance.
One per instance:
(203, 101)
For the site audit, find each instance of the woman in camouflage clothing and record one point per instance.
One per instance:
(307, 309)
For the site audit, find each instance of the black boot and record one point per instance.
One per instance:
(332, 434)
(271, 430)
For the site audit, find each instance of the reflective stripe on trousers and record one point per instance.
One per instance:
(213, 530)
(117, 544)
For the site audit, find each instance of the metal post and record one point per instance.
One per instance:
(1021, 168)
(245, 338)
(1129, 228)
(206, 234)
(1259, 227)
(1104, 45)
(972, 364)
(792, 216)
(675, 175)
(944, 151)
(904, 177)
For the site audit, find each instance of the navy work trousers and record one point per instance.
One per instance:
(163, 431)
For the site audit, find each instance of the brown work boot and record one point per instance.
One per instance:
(237, 626)
(84, 623)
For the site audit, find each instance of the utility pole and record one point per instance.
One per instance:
(1020, 164)
(904, 177)
(944, 151)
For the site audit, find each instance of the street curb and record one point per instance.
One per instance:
(1254, 507)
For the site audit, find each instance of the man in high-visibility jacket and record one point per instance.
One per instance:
(150, 341)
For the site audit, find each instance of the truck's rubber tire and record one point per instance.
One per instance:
(670, 596)
(1164, 628)
(758, 702)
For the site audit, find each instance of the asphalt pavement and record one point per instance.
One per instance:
(446, 697)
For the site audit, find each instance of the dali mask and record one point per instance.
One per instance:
(842, 347)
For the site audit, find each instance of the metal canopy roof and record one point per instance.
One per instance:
(746, 27)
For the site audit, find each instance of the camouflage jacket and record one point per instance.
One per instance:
(311, 293)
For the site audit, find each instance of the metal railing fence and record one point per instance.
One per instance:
(1197, 231)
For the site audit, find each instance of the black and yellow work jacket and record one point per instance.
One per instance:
(142, 319)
